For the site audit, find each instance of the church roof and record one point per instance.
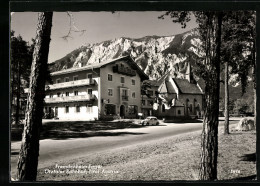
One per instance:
(186, 87)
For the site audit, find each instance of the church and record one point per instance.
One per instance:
(174, 97)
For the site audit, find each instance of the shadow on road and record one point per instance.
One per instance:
(79, 129)
(184, 122)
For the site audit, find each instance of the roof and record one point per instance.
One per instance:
(161, 79)
(186, 87)
(167, 87)
(126, 59)
(158, 82)
(152, 82)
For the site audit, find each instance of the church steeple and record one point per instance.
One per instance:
(189, 75)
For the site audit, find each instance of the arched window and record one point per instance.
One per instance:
(191, 107)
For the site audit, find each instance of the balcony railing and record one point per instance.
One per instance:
(77, 83)
(124, 98)
(88, 97)
(124, 70)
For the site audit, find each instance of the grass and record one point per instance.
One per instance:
(173, 158)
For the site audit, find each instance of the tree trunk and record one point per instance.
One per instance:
(209, 136)
(254, 75)
(17, 112)
(226, 124)
(28, 157)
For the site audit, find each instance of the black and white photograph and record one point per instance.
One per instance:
(133, 95)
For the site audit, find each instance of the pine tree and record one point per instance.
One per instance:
(20, 66)
(28, 156)
(209, 27)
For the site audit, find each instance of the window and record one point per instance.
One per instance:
(110, 92)
(58, 80)
(58, 94)
(77, 108)
(151, 103)
(67, 109)
(133, 94)
(191, 107)
(132, 109)
(51, 95)
(109, 77)
(67, 94)
(122, 80)
(89, 76)
(66, 79)
(76, 92)
(179, 112)
(163, 108)
(124, 92)
(143, 102)
(133, 82)
(110, 109)
(89, 109)
(75, 78)
(90, 91)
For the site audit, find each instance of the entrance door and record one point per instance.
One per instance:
(122, 111)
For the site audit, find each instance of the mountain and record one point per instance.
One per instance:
(154, 54)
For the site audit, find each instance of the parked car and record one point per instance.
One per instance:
(150, 120)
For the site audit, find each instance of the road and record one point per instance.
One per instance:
(52, 151)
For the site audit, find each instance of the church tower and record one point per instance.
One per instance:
(189, 74)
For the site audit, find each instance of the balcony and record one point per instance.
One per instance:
(88, 97)
(78, 83)
(124, 98)
(124, 70)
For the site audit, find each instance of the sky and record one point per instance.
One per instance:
(99, 26)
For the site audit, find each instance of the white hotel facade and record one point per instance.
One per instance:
(98, 91)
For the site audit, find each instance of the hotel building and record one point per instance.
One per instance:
(104, 90)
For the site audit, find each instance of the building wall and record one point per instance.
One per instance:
(80, 74)
(82, 90)
(191, 97)
(117, 88)
(72, 114)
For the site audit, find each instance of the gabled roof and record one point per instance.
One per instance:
(186, 87)
(152, 82)
(162, 79)
(126, 59)
(166, 87)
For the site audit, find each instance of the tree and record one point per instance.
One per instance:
(20, 67)
(29, 152)
(209, 28)
(237, 29)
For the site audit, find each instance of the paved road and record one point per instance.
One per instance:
(52, 151)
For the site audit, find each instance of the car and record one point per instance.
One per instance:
(150, 120)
